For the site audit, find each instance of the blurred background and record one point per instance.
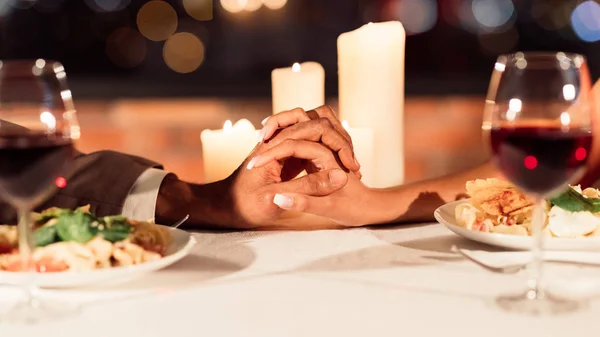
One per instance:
(148, 76)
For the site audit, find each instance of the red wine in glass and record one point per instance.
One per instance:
(540, 159)
(32, 164)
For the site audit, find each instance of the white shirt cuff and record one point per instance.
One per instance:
(140, 204)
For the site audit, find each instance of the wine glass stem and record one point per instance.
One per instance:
(26, 247)
(537, 250)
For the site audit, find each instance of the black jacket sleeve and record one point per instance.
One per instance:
(101, 179)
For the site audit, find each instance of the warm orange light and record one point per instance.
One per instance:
(183, 52)
(157, 20)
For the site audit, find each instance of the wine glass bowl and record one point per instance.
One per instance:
(538, 125)
(37, 127)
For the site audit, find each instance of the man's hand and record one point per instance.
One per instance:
(246, 198)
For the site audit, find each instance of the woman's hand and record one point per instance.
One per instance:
(309, 125)
(272, 168)
(319, 139)
(350, 206)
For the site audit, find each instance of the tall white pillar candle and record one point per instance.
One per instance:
(371, 92)
(223, 151)
(300, 86)
(362, 139)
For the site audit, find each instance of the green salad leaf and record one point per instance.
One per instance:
(573, 201)
(44, 236)
(75, 226)
(52, 213)
(114, 228)
(79, 226)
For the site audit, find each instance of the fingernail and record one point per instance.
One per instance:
(261, 135)
(264, 121)
(251, 163)
(337, 177)
(283, 201)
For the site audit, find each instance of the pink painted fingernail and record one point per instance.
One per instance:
(264, 121)
(283, 201)
(251, 163)
(261, 135)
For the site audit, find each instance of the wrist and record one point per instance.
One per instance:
(376, 208)
(208, 205)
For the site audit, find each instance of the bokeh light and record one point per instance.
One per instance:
(466, 19)
(253, 5)
(107, 5)
(183, 52)
(201, 10)
(61, 182)
(487, 16)
(417, 16)
(585, 21)
(275, 4)
(234, 6)
(126, 47)
(157, 20)
(492, 14)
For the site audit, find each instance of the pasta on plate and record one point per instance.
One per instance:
(496, 206)
(76, 240)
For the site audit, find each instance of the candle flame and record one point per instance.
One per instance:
(345, 125)
(227, 126)
(296, 67)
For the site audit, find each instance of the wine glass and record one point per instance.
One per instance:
(538, 123)
(37, 125)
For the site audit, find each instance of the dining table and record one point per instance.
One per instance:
(395, 280)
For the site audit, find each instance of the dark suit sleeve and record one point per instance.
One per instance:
(101, 179)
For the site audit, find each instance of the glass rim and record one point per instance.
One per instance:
(28, 61)
(543, 59)
(541, 54)
(38, 66)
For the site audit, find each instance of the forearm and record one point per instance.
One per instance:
(208, 205)
(416, 202)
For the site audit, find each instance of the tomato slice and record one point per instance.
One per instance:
(44, 265)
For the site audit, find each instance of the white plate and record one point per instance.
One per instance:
(180, 247)
(445, 216)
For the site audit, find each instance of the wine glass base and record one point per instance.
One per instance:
(538, 303)
(38, 312)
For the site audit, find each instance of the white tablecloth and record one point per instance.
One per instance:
(394, 281)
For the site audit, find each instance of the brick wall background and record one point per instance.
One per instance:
(443, 134)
